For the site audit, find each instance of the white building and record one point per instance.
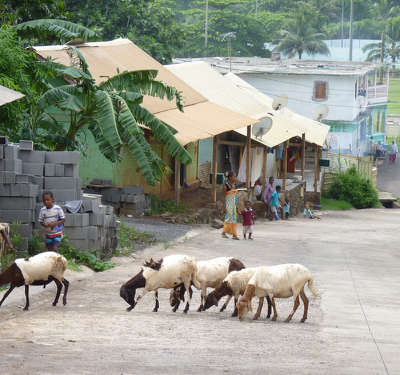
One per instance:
(356, 93)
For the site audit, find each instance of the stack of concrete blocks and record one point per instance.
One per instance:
(129, 200)
(25, 174)
(96, 227)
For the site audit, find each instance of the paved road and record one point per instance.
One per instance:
(389, 177)
(353, 326)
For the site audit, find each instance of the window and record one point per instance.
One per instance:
(320, 89)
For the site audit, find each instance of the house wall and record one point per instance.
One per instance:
(341, 94)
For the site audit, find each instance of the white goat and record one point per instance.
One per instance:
(233, 285)
(282, 281)
(167, 273)
(40, 269)
(210, 273)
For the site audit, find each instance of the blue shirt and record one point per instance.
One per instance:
(286, 208)
(275, 199)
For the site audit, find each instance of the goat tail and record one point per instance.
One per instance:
(195, 281)
(311, 286)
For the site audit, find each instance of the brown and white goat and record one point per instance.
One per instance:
(282, 281)
(167, 273)
(210, 274)
(40, 269)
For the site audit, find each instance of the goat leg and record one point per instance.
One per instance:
(12, 286)
(59, 287)
(305, 302)
(26, 297)
(157, 303)
(260, 305)
(66, 285)
(269, 307)
(295, 306)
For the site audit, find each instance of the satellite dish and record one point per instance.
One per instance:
(320, 113)
(262, 128)
(280, 102)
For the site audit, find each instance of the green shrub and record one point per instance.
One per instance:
(128, 237)
(351, 186)
(86, 258)
(160, 206)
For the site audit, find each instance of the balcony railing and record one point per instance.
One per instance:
(377, 94)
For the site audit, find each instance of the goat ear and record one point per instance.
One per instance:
(215, 301)
(249, 306)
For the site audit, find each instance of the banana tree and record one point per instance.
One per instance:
(112, 112)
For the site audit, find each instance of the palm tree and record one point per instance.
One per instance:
(110, 110)
(301, 37)
(326, 7)
(391, 46)
(384, 9)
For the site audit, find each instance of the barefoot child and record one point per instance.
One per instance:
(274, 203)
(308, 214)
(248, 220)
(52, 218)
(286, 208)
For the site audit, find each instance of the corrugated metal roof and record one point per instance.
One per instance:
(222, 91)
(7, 95)
(200, 119)
(316, 132)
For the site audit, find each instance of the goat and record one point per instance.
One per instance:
(282, 281)
(210, 273)
(233, 285)
(167, 273)
(40, 269)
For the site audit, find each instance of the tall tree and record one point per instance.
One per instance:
(384, 10)
(391, 46)
(327, 8)
(300, 38)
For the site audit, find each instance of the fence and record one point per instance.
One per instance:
(341, 163)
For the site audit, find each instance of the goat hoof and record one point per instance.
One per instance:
(155, 310)
(268, 316)
(287, 320)
(200, 309)
(25, 309)
(54, 304)
(273, 319)
(302, 321)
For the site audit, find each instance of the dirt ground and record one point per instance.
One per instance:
(352, 327)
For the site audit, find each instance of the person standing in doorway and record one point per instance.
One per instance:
(269, 189)
(393, 152)
(229, 205)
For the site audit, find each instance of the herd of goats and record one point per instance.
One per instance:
(179, 272)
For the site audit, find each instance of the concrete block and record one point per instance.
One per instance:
(92, 232)
(1, 152)
(11, 152)
(97, 218)
(123, 197)
(3, 140)
(78, 233)
(49, 170)
(110, 210)
(79, 244)
(63, 157)
(111, 232)
(71, 170)
(106, 182)
(59, 170)
(97, 181)
(115, 198)
(32, 156)
(25, 230)
(103, 209)
(26, 216)
(11, 165)
(29, 190)
(117, 225)
(26, 145)
(17, 203)
(111, 221)
(135, 206)
(23, 244)
(134, 190)
(36, 169)
(62, 195)
(39, 180)
(69, 220)
(64, 183)
(5, 190)
(91, 205)
(81, 220)
(24, 179)
(107, 244)
(7, 177)
(139, 198)
(114, 242)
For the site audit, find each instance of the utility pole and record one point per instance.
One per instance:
(382, 54)
(206, 28)
(230, 35)
(341, 44)
(351, 31)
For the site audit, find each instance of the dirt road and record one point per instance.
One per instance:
(352, 327)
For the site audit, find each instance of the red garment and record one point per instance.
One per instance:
(247, 217)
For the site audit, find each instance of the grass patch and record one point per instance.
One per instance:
(335, 204)
(394, 95)
(129, 236)
(72, 265)
(161, 206)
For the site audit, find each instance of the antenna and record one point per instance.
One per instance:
(262, 128)
(320, 113)
(280, 102)
(230, 35)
